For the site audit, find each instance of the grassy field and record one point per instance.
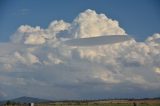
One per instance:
(102, 104)
(107, 104)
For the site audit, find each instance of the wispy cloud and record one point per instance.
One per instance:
(24, 11)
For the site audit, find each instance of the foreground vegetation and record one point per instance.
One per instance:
(102, 104)
(107, 104)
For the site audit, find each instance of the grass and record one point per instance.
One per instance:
(100, 104)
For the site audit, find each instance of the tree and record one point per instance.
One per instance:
(8, 102)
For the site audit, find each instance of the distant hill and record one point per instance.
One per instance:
(25, 99)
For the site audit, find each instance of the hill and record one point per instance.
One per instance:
(26, 99)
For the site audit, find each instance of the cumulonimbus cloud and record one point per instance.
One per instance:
(66, 58)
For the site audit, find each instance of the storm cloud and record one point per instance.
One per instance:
(66, 61)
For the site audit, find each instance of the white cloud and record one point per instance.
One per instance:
(33, 39)
(91, 24)
(157, 70)
(154, 37)
(52, 60)
(36, 35)
(27, 58)
(87, 24)
(57, 26)
(154, 40)
(37, 56)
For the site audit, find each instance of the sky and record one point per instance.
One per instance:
(59, 50)
(140, 18)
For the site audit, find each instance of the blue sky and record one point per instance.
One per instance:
(140, 18)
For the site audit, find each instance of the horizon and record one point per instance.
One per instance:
(85, 99)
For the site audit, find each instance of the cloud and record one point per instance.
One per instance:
(29, 35)
(154, 37)
(26, 58)
(87, 24)
(35, 36)
(154, 40)
(40, 62)
(96, 41)
(91, 24)
(157, 70)
(24, 11)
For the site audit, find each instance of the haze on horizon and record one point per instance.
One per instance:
(88, 57)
